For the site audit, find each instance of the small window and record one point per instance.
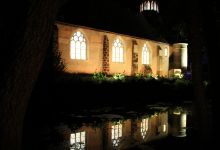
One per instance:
(155, 6)
(78, 46)
(117, 51)
(152, 5)
(145, 5)
(148, 5)
(141, 8)
(166, 52)
(116, 134)
(145, 55)
(78, 141)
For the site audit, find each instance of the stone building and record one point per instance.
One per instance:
(118, 134)
(87, 50)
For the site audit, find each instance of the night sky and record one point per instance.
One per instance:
(122, 16)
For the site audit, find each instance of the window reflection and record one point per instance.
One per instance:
(116, 134)
(78, 141)
(144, 127)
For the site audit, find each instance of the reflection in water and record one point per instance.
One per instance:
(179, 120)
(78, 141)
(110, 133)
(164, 128)
(144, 127)
(116, 134)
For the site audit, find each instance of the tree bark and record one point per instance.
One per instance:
(201, 113)
(25, 36)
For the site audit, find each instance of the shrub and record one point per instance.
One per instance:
(139, 76)
(119, 76)
(99, 76)
(146, 70)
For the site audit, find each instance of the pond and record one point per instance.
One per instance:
(124, 129)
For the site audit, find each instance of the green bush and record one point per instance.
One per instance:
(119, 76)
(139, 76)
(99, 76)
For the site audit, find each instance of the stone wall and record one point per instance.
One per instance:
(105, 60)
(99, 52)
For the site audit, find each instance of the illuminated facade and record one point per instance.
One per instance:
(114, 135)
(88, 50)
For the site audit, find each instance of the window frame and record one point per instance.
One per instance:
(81, 52)
(118, 52)
(147, 58)
(72, 147)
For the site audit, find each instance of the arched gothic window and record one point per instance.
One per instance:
(145, 5)
(145, 55)
(148, 5)
(152, 5)
(155, 6)
(78, 46)
(117, 51)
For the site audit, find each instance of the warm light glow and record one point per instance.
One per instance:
(157, 9)
(116, 134)
(117, 51)
(166, 52)
(148, 5)
(144, 127)
(183, 120)
(164, 128)
(176, 112)
(152, 5)
(155, 6)
(78, 141)
(78, 46)
(145, 55)
(184, 57)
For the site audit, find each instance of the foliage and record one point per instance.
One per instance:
(139, 76)
(146, 70)
(58, 62)
(99, 76)
(117, 121)
(178, 74)
(119, 76)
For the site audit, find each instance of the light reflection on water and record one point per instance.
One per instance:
(113, 131)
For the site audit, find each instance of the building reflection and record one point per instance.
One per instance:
(78, 140)
(113, 134)
(116, 134)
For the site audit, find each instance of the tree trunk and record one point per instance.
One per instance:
(26, 33)
(211, 16)
(200, 104)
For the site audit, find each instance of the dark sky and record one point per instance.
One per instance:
(122, 15)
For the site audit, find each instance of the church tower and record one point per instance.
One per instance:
(149, 5)
(150, 10)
